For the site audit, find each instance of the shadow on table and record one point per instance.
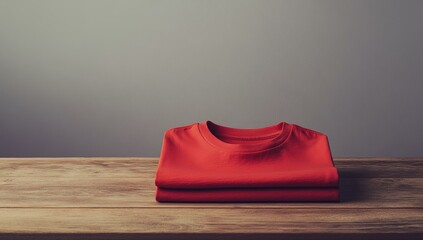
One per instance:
(352, 189)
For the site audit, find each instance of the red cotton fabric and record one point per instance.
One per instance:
(207, 162)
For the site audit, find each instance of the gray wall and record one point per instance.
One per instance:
(107, 78)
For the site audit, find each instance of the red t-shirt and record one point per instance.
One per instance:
(207, 162)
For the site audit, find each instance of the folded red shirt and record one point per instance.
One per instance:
(207, 162)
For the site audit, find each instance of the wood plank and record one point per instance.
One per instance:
(380, 168)
(211, 236)
(135, 167)
(113, 198)
(76, 167)
(139, 192)
(186, 220)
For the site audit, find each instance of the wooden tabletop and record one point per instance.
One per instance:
(113, 198)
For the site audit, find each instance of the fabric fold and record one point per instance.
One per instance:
(182, 179)
(248, 195)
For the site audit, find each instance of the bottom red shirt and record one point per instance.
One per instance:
(207, 162)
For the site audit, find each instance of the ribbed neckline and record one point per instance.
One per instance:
(271, 136)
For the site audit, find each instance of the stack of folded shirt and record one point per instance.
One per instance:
(207, 162)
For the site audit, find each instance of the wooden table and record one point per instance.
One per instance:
(113, 198)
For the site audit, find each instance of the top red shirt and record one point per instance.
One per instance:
(210, 156)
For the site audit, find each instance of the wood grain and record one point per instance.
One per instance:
(139, 192)
(186, 220)
(137, 167)
(113, 198)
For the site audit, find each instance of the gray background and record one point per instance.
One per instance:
(107, 78)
